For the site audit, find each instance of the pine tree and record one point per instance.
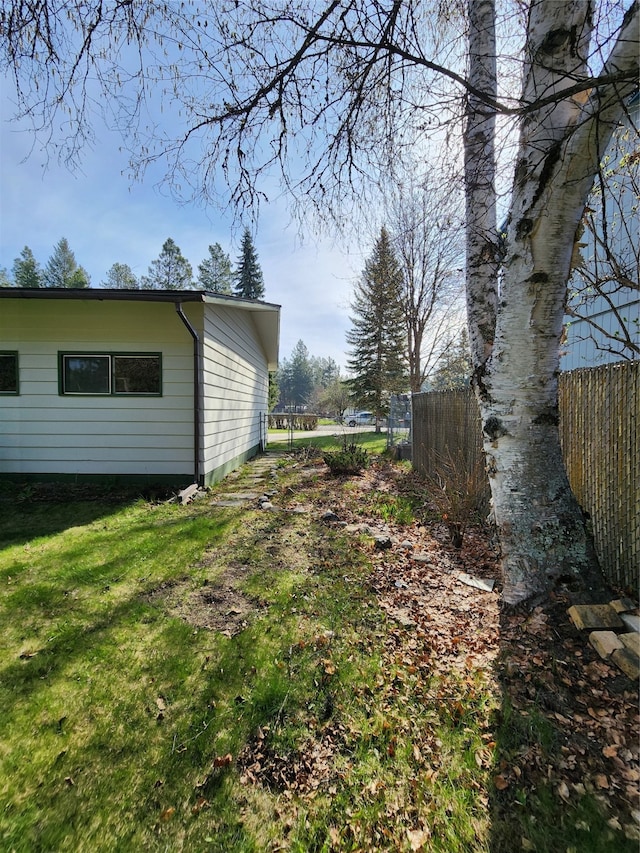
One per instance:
(26, 270)
(121, 277)
(62, 270)
(214, 273)
(248, 280)
(170, 271)
(378, 338)
(296, 377)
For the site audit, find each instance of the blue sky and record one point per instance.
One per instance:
(106, 219)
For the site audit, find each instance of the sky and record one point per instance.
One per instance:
(107, 219)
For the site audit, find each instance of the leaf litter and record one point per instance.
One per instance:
(442, 635)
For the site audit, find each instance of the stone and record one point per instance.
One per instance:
(631, 641)
(382, 542)
(605, 643)
(329, 516)
(631, 621)
(623, 605)
(594, 617)
(421, 558)
(406, 545)
(628, 662)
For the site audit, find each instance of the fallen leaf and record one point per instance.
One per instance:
(610, 751)
(167, 814)
(601, 781)
(417, 838)
(500, 782)
(223, 760)
(563, 792)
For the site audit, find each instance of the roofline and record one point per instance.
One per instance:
(134, 295)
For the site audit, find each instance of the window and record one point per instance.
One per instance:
(8, 372)
(110, 373)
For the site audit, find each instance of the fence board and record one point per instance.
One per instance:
(599, 432)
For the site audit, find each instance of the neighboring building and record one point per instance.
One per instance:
(603, 305)
(165, 386)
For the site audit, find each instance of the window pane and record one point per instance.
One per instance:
(136, 374)
(86, 374)
(8, 373)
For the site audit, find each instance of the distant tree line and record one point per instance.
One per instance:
(169, 271)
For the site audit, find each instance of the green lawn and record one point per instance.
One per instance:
(128, 726)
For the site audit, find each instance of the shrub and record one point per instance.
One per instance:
(351, 459)
(459, 493)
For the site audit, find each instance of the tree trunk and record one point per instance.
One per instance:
(540, 525)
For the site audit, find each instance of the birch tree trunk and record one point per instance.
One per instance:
(540, 525)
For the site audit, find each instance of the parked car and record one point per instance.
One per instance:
(361, 419)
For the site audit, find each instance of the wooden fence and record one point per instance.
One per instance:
(599, 431)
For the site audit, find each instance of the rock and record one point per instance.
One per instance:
(266, 505)
(623, 605)
(594, 616)
(631, 621)
(628, 662)
(421, 558)
(382, 542)
(631, 641)
(329, 516)
(407, 545)
(605, 643)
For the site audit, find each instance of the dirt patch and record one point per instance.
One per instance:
(216, 606)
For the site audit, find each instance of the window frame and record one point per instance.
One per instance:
(16, 356)
(111, 356)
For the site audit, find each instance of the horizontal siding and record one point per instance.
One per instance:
(42, 432)
(235, 386)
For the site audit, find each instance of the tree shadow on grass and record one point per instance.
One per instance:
(565, 740)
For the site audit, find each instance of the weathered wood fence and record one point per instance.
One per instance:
(599, 431)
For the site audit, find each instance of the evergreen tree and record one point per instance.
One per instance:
(378, 338)
(248, 280)
(80, 278)
(5, 281)
(325, 371)
(170, 271)
(121, 277)
(62, 270)
(26, 270)
(295, 377)
(214, 273)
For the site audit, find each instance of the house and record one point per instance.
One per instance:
(602, 324)
(132, 385)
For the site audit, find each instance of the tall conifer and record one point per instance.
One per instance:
(248, 280)
(170, 271)
(378, 337)
(26, 270)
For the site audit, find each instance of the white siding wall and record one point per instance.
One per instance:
(42, 432)
(235, 386)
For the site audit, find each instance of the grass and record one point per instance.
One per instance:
(372, 442)
(128, 727)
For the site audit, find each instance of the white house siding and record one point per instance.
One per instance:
(235, 389)
(43, 433)
(588, 343)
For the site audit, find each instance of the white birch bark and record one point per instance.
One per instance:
(540, 525)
